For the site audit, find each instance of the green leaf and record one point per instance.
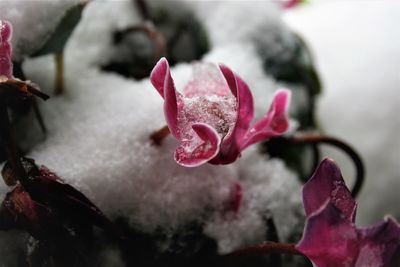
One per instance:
(57, 40)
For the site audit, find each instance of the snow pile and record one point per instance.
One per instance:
(99, 138)
(33, 22)
(267, 186)
(238, 21)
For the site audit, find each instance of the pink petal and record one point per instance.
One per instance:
(157, 75)
(6, 66)
(245, 113)
(5, 31)
(327, 184)
(329, 238)
(380, 244)
(274, 123)
(161, 79)
(291, 3)
(5, 49)
(206, 81)
(207, 149)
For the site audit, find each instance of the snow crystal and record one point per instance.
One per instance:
(95, 35)
(207, 80)
(266, 184)
(216, 107)
(236, 21)
(218, 112)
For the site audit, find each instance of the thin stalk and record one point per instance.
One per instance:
(9, 142)
(24, 88)
(358, 163)
(59, 82)
(272, 235)
(157, 38)
(158, 136)
(39, 116)
(143, 9)
(263, 249)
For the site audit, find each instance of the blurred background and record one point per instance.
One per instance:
(356, 45)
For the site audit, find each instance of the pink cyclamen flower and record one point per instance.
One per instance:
(9, 85)
(211, 117)
(5, 49)
(331, 238)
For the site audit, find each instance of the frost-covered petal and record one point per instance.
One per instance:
(329, 238)
(245, 112)
(162, 80)
(206, 81)
(327, 184)
(5, 67)
(274, 123)
(5, 31)
(192, 153)
(380, 245)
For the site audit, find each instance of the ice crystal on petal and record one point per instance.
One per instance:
(217, 111)
(222, 102)
(207, 81)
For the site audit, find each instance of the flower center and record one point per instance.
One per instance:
(217, 111)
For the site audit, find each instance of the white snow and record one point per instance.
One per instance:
(266, 192)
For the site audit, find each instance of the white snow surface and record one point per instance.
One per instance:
(356, 45)
(33, 22)
(99, 136)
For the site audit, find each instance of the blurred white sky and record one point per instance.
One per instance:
(357, 49)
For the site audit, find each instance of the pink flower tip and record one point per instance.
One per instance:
(331, 237)
(330, 185)
(5, 49)
(211, 116)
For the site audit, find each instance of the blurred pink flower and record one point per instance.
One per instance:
(5, 49)
(331, 238)
(11, 85)
(291, 3)
(211, 117)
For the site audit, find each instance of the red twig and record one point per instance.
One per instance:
(159, 135)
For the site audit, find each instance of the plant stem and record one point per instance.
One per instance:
(10, 145)
(143, 9)
(39, 116)
(59, 82)
(159, 135)
(358, 163)
(272, 235)
(148, 28)
(263, 249)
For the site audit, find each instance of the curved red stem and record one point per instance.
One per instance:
(320, 139)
